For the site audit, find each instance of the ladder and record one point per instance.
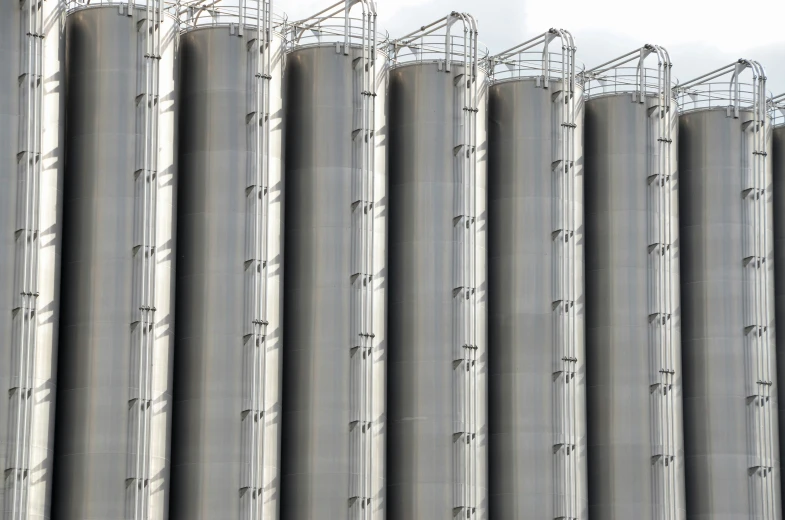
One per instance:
(662, 351)
(567, 467)
(26, 233)
(465, 311)
(759, 365)
(257, 190)
(148, 18)
(363, 214)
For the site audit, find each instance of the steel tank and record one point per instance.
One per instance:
(633, 330)
(117, 325)
(727, 287)
(537, 372)
(778, 178)
(437, 395)
(227, 406)
(335, 279)
(31, 180)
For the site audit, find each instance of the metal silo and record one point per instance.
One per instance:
(31, 158)
(633, 312)
(117, 326)
(727, 287)
(437, 448)
(226, 431)
(778, 178)
(536, 285)
(335, 279)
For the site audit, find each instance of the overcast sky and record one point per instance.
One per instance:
(701, 35)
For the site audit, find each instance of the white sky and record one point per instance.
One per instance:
(701, 35)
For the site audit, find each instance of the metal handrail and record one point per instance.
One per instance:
(528, 60)
(617, 76)
(335, 26)
(247, 13)
(715, 89)
(436, 43)
(778, 109)
(169, 6)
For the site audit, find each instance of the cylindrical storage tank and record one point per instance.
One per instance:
(32, 53)
(117, 326)
(778, 178)
(437, 395)
(537, 373)
(226, 431)
(335, 277)
(727, 288)
(633, 312)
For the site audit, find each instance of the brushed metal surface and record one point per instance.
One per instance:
(318, 285)
(716, 437)
(208, 459)
(521, 269)
(621, 155)
(14, 61)
(421, 396)
(778, 178)
(92, 445)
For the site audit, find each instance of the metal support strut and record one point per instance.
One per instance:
(258, 20)
(758, 343)
(148, 18)
(24, 313)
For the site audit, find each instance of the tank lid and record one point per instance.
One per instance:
(533, 59)
(438, 43)
(254, 15)
(629, 74)
(724, 88)
(337, 26)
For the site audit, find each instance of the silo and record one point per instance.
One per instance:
(778, 178)
(31, 166)
(226, 430)
(537, 365)
(335, 278)
(437, 447)
(633, 312)
(728, 350)
(117, 326)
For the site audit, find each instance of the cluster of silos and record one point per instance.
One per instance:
(336, 275)
(227, 406)
(512, 381)
(537, 364)
(437, 393)
(31, 180)
(633, 314)
(114, 398)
